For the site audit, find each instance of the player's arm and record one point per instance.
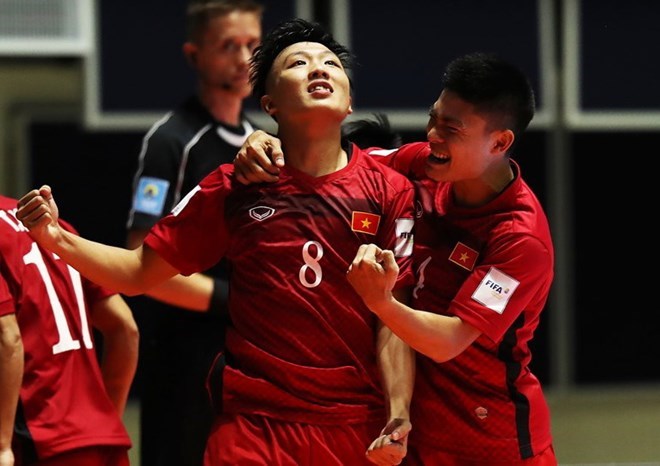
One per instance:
(261, 157)
(11, 374)
(196, 292)
(373, 274)
(113, 318)
(397, 366)
(127, 271)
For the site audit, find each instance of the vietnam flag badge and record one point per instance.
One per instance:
(365, 222)
(464, 256)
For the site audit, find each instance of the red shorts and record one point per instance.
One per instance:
(429, 457)
(92, 456)
(258, 440)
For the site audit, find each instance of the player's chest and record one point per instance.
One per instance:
(275, 218)
(446, 252)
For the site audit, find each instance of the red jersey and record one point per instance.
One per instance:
(492, 266)
(302, 344)
(63, 403)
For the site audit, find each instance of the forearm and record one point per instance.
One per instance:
(193, 292)
(11, 374)
(109, 266)
(439, 337)
(114, 319)
(118, 366)
(397, 365)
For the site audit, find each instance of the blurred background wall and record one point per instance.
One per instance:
(81, 81)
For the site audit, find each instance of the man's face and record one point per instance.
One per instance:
(222, 59)
(461, 142)
(307, 76)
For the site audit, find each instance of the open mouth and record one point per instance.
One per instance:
(439, 159)
(320, 86)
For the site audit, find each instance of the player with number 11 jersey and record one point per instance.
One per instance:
(63, 405)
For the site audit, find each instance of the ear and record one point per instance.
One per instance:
(267, 104)
(503, 141)
(190, 52)
(350, 105)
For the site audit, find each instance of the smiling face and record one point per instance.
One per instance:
(463, 143)
(306, 78)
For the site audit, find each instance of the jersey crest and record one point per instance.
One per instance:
(261, 212)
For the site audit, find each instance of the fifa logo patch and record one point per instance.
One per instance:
(464, 256)
(495, 290)
(365, 222)
(404, 237)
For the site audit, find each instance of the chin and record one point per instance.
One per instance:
(435, 172)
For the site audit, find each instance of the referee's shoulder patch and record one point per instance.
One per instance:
(150, 195)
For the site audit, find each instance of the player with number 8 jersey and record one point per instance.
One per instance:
(63, 405)
(296, 320)
(310, 376)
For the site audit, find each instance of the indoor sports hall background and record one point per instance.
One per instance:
(82, 80)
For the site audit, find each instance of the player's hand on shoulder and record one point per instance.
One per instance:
(259, 159)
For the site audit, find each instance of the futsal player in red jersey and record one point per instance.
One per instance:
(309, 376)
(484, 262)
(63, 409)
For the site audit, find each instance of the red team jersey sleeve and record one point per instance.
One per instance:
(409, 159)
(194, 237)
(509, 280)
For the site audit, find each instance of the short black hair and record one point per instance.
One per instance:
(494, 86)
(283, 35)
(200, 12)
(376, 132)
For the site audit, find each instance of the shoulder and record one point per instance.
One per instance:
(367, 160)
(184, 122)
(411, 150)
(523, 240)
(9, 224)
(529, 216)
(220, 177)
(409, 159)
(7, 203)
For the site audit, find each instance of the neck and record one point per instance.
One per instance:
(224, 106)
(479, 191)
(313, 149)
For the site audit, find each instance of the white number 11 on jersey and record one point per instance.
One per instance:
(66, 341)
